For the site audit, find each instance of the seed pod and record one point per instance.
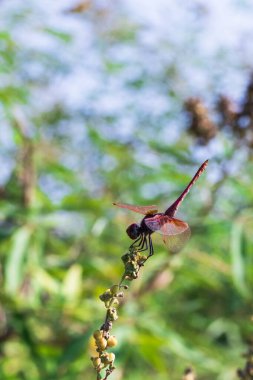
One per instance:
(101, 344)
(97, 334)
(125, 257)
(106, 296)
(111, 357)
(112, 341)
(142, 259)
(114, 289)
(131, 275)
(115, 302)
(106, 335)
(112, 314)
(105, 359)
(96, 362)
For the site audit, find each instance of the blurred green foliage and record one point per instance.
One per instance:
(63, 164)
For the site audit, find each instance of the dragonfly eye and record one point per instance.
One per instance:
(133, 231)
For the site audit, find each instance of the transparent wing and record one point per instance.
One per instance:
(175, 232)
(145, 210)
(175, 243)
(165, 225)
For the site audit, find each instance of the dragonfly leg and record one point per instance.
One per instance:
(140, 243)
(144, 245)
(151, 248)
(137, 242)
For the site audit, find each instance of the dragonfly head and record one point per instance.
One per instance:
(133, 231)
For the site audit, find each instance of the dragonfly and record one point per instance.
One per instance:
(175, 232)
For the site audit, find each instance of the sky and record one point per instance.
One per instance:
(211, 44)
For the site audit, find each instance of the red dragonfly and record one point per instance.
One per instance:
(175, 232)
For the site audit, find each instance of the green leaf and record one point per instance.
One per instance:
(237, 258)
(46, 281)
(19, 249)
(72, 282)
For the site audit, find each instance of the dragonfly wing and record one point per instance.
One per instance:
(165, 225)
(175, 232)
(175, 243)
(145, 210)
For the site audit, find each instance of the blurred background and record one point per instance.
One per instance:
(106, 101)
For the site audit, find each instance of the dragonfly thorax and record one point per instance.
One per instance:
(133, 231)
